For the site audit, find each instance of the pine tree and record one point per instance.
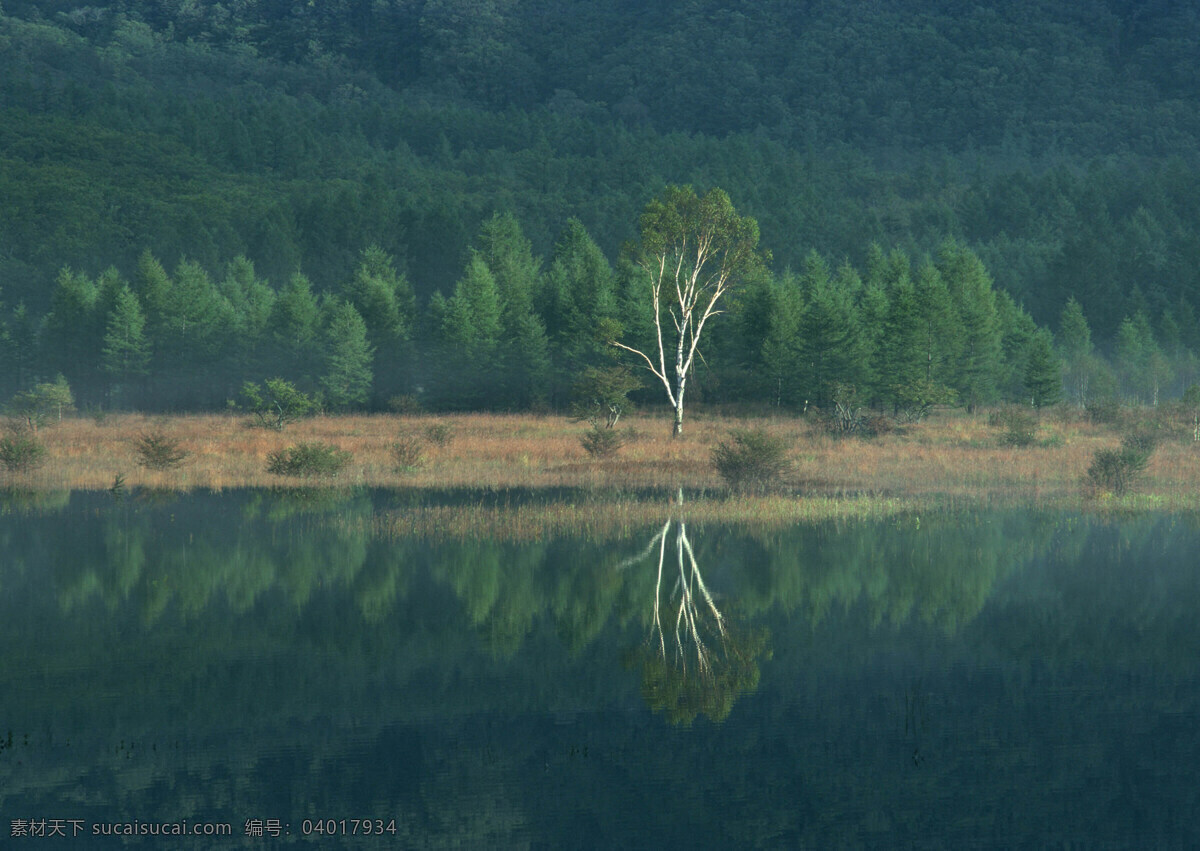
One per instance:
(385, 300)
(348, 358)
(974, 300)
(1043, 371)
(1075, 346)
(1142, 367)
(525, 361)
(23, 332)
(126, 350)
(470, 327)
(829, 336)
(578, 306)
(777, 306)
(900, 365)
(72, 332)
(295, 329)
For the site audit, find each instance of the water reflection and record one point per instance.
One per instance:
(709, 663)
(266, 655)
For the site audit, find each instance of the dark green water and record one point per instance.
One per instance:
(979, 680)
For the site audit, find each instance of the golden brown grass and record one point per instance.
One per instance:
(953, 457)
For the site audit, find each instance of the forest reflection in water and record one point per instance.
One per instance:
(266, 655)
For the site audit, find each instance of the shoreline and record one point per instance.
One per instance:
(953, 460)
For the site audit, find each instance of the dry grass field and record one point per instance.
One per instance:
(952, 458)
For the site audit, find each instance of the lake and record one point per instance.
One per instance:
(267, 665)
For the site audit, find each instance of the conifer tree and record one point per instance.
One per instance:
(384, 298)
(1142, 368)
(830, 339)
(23, 332)
(295, 329)
(578, 306)
(72, 331)
(348, 358)
(1075, 347)
(525, 360)
(900, 365)
(470, 328)
(974, 300)
(1043, 371)
(126, 350)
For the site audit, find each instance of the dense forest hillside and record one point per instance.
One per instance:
(289, 147)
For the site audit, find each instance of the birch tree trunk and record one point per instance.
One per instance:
(693, 250)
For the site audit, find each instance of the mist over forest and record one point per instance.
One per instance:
(430, 199)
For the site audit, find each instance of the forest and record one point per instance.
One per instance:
(429, 203)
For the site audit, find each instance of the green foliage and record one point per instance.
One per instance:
(601, 441)
(276, 404)
(439, 434)
(158, 450)
(682, 695)
(408, 453)
(1116, 471)
(45, 403)
(405, 404)
(21, 452)
(1075, 346)
(126, 350)
(308, 460)
(348, 357)
(601, 394)
(1019, 426)
(752, 460)
(309, 139)
(693, 250)
(1043, 372)
(1104, 411)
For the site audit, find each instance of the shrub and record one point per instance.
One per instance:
(43, 404)
(602, 394)
(1104, 411)
(846, 418)
(876, 426)
(21, 452)
(308, 460)
(405, 405)
(159, 451)
(277, 403)
(1117, 470)
(439, 434)
(601, 441)
(408, 453)
(752, 460)
(1019, 424)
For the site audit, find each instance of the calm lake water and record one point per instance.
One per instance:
(259, 661)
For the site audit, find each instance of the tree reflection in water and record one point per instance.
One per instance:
(709, 662)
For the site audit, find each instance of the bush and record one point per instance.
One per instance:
(158, 451)
(752, 460)
(277, 403)
(1116, 470)
(44, 404)
(21, 453)
(405, 405)
(408, 453)
(846, 418)
(1104, 411)
(308, 460)
(1019, 424)
(601, 441)
(439, 434)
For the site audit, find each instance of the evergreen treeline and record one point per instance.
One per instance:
(1057, 146)
(519, 331)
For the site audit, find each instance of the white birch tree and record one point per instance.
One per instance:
(693, 250)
